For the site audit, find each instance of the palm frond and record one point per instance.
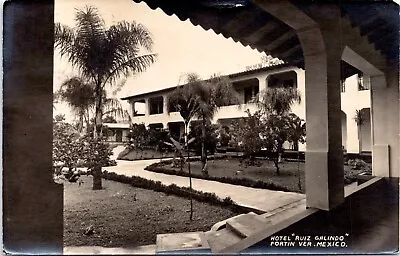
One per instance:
(278, 100)
(125, 67)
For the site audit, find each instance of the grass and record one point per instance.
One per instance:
(136, 154)
(265, 172)
(127, 216)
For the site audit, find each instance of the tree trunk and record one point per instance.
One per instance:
(203, 148)
(359, 140)
(298, 168)
(276, 162)
(190, 172)
(81, 116)
(97, 184)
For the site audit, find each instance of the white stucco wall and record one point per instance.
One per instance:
(352, 100)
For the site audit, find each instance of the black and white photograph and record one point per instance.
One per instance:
(201, 127)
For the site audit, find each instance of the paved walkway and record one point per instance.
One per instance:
(260, 199)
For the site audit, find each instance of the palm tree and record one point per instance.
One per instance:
(359, 119)
(187, 104)
(277, 102)
(79, 95)
(209, 96)
(103, 56)
(297, 133)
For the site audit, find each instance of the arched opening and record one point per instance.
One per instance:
(284, 79)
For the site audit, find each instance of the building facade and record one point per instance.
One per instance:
(116, 132)
(355, 98)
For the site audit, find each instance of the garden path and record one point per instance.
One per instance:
(258, 199)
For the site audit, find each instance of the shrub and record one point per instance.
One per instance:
(358, 164)
(161, 168)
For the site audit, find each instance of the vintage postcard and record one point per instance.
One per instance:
(173, 127)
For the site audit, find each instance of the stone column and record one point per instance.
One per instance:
(262, 85)
(147, 107)
(165, 105)
(385, 125)
(133, 108)
(324, 156)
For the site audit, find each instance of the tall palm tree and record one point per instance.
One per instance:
(79, 95)
(103, 55)
(209, 95)
(187, 104)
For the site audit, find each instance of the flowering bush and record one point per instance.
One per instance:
(72, 150)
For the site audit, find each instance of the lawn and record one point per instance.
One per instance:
(126, 216)
(136, 154)
(265, 171)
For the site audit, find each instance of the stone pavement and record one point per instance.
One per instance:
(259, 199)
(93, 250)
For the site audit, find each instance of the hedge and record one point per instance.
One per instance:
(230, 180)
(173, 189)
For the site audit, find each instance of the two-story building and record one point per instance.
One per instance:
(355, 95)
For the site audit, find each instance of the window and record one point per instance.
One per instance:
(250, 93)
(362, 85)
(156, 106)
(288, 83)
(342, 86)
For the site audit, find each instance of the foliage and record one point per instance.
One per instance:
(67, 146)
(162, 168)
(72, 150)
(248, 134)
(266, 61)
(103, 56)
(278, 101)
(173, 189)
(224, 136)
(156, 138)
(267, 131)
(78, 93)
(359, 164)
(109, 119)
(59, 118)
(210, 140)
(137, 136)
(359, 117)
(297, 129)
(202, 99)
(96, 153)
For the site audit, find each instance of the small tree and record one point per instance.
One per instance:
(248, 135)
(276, 132)
(210, 140)
(138, 137)
(296, 134)
(96, 153)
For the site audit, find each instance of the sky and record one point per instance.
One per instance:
(181, 47)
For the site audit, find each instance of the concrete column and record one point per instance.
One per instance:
(381, 119)
(165, 105)
(324, 155)
(133, 107)
(147, 107)
(262, 85)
